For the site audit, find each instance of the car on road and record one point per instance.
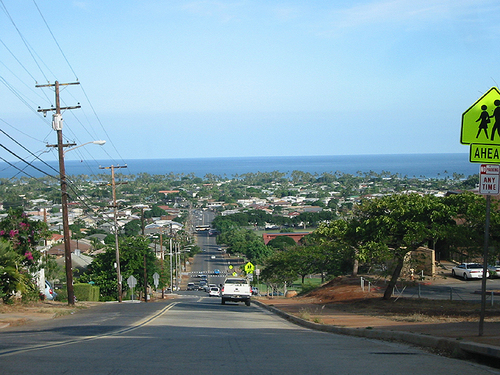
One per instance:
(236, 289)
(191, 286)
(468, 271)
(214, 292)
(494, 270)
(203, 285)
(49, 292)
(212, 257)
(216, 271)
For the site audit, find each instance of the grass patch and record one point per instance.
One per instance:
(304, 314)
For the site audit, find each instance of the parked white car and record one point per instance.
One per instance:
(469, 271)
(494, 270)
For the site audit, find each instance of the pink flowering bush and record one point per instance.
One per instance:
(24, 235)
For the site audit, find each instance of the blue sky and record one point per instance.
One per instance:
(181, 79)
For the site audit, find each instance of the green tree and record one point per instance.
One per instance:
(467, 238)
(52, 269)
(76, 229)
(109, 239)
(342, 238)
(281, 242)
(256, 251)
(96, 243)
(133, 251)
(399, 224)
(278, 269)
(103, 274)
(155, 212)
(132, 228)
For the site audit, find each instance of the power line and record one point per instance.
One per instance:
(19, 169)
(19, 62)
(83, 90)
(55, 40)
(24, 161)
(102, 127)
(42, 67)
(16, 93)
(28, 47)
(24, 148)
(22, 82)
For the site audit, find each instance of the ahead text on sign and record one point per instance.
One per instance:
(484, 154)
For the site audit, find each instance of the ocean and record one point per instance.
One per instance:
(408, 165)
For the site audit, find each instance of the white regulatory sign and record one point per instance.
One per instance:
(489, 175)
(131, 281)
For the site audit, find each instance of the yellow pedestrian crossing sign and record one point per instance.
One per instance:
(249, 268)
(481, 122)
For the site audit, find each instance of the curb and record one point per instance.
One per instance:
(456, 348)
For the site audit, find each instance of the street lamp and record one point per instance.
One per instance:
(100, 143)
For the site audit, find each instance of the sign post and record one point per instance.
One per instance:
(485, 265)
(484, 148)
(156, 279)
(484, 141)
(488, 185)
(132, 282)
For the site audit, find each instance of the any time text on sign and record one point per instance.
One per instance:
(489, 179)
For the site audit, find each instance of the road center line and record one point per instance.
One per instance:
(139, 324)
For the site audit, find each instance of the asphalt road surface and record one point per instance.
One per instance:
(212, 262)
(195, 334)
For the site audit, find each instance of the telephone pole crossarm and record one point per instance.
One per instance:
(40, 109)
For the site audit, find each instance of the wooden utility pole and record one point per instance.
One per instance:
(57, 124)
(162, 263)
(115, 207)
(142, 220)
(145, 280)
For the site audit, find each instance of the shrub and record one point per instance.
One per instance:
(86, 292)
(306, 288)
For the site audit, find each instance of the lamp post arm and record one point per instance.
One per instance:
(100, 143)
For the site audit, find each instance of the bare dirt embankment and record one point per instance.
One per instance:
(18, 314)
(342, 302)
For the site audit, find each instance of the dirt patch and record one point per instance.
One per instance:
(18, 313)
(345, 295)
(343, 303)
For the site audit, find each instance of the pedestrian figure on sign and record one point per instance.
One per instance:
(485, 120)
(496, 115)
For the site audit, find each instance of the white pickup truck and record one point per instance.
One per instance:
(236, 289)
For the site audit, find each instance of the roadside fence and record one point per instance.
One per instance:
(436, 292)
